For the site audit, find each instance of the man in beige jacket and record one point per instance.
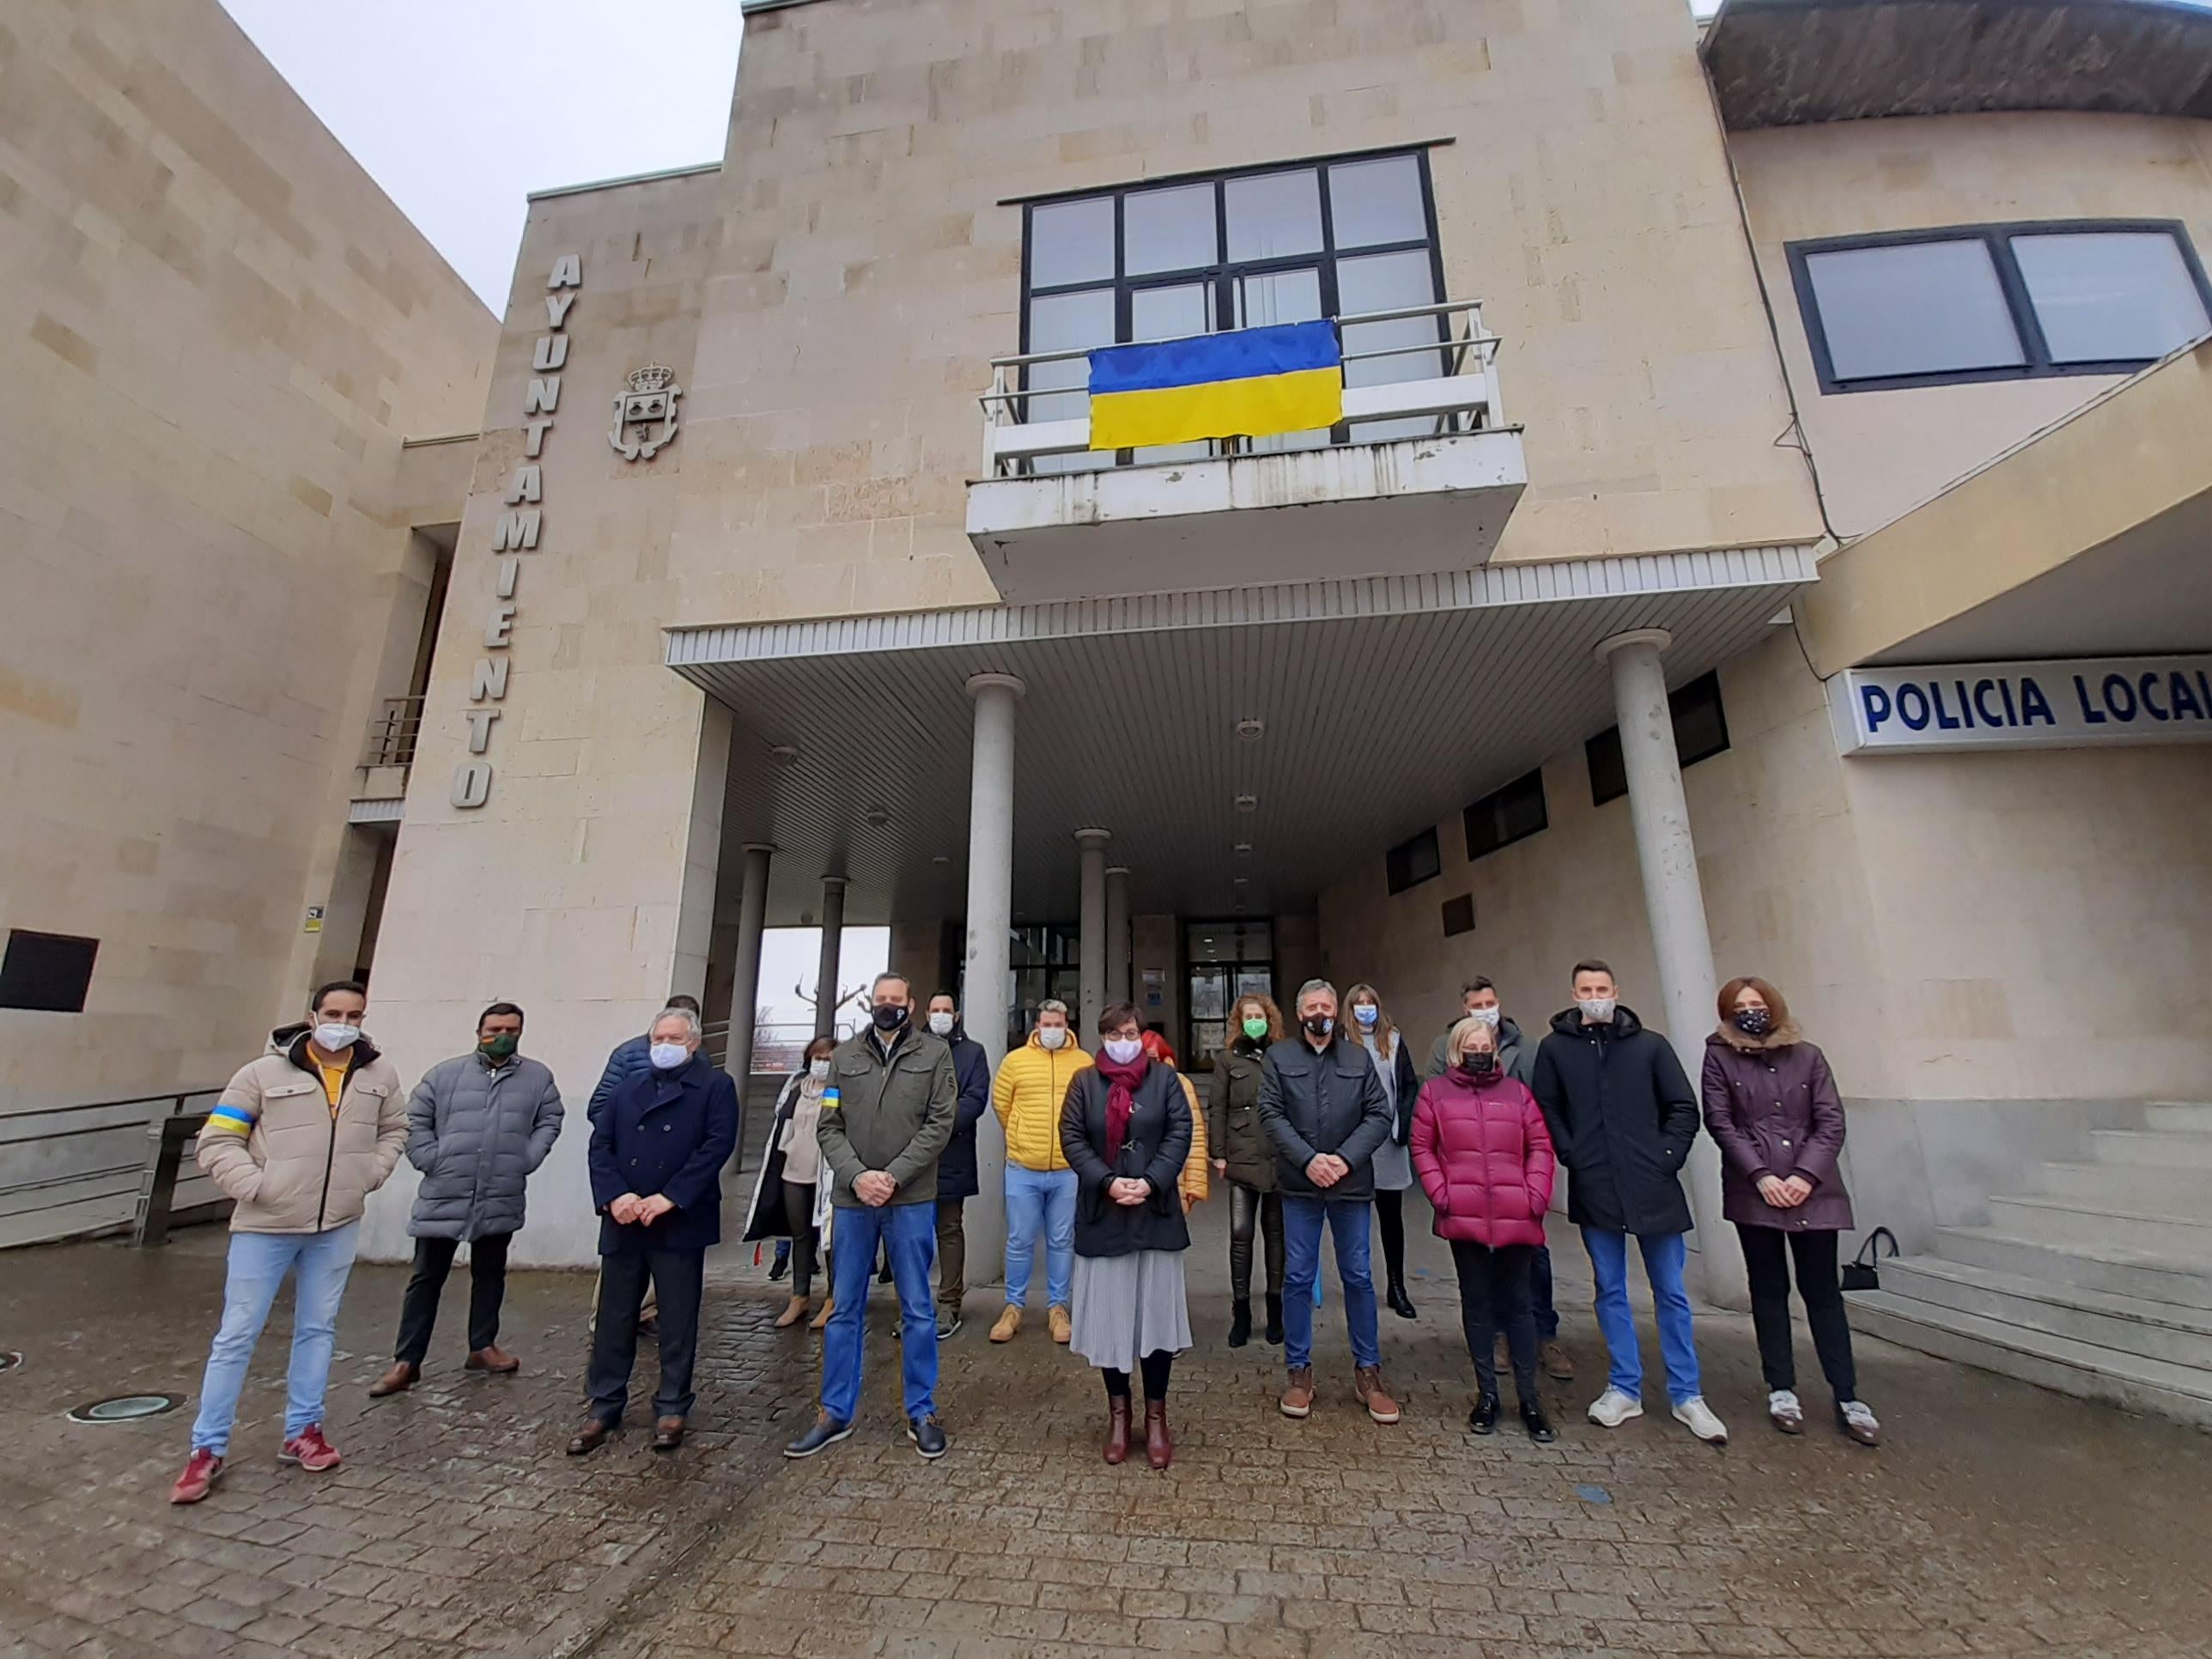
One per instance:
(299, 1140)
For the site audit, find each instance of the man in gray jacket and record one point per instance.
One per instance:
(478, 1126)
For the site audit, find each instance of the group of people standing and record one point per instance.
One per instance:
(1318, 1126)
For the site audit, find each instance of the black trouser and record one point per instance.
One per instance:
(1493, 1291)
(1249, 1211)
(434, 1260)
(798, 1211)
(1156, 1366)
(678, 1280)
(1767, 1265)
(1390, 1221)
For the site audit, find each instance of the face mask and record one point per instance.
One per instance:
(333, 1038)
(1320, 1025)
(502, 1045)
(1487, 1016)
(1052, 1035)
(1479, 1064)
(940, 1024)
(889, 1016)
(1596, 1010)
(818, 1070)
(667, 1056)
(1122, 1050)
(1366, 1013)
(1755, 1022)
(1255, 1029)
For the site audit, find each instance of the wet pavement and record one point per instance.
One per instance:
(1997, 1519)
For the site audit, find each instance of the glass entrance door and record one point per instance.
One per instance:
(1225, 960)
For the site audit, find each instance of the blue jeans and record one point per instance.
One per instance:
(908, 1232)
(1664, 1255)
(1040, 1201)
(319, 1263)
(1348, 1224)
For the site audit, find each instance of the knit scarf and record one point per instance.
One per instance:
(1120, 1098)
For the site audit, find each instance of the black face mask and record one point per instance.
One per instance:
(1320, 1025)
(1479, 1064)
(889, 1017)
(1755, 1022)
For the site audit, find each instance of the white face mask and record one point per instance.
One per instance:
(332, 1037)
(1596, 1010)
(818, 1070)
(1487, 1016)
(1122, 1050)
(1366, 1013)
(667, 1056)
(940, 1024)
(1052, 1035)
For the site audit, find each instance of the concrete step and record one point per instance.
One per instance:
(2182, 1190)
(2156, 1386)
(2127, 1324)
(2162, 1149)
(2071, 1221)
(2121, 1271)
(2193, 1116)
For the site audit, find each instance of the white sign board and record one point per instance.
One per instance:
(2023, 705)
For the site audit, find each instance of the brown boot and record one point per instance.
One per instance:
(1367, 1384)
(667, 1433)
(401, 1378)
(1117, 1428)
(493, 1359)
(1298, 1397)
(1159, 1444)
(1063, 1327)
(591, 1434)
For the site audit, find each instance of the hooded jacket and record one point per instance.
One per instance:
(477, 1134)
(289, 1163)
(1232, 1115)
(971, 1073)
(1517, 1055)
(1483, 1157)
(1770, 1103)
(1030, 1090)
(1622, 1117)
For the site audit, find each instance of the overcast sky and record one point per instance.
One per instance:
(459, 108)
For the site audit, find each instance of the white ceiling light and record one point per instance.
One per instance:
(1249, 730)
(1248, 803)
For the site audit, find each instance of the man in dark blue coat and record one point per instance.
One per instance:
(657, 1149)
(957, 1180)
(628, 1060)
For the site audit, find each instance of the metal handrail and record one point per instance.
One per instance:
(392, 735)
(1447, 309)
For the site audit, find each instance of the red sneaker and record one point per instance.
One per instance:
(310, 1450)
(201, 1472)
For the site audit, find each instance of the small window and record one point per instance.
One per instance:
(1459, 915)
(1914, 309)
(1412, 862)
(1505, 816)
(48, 972)
(1700, 732)
(2108, 297)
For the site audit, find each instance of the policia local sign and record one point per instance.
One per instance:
(2023, 705)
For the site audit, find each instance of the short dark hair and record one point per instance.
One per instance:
(679, 1000)
(875, 984)
(947, 995)
(1480, 983)
(500, 1008)
(1591, 965)
(315, 1002)
(1115, 1015)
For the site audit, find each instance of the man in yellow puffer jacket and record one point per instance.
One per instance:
(1030, 1089)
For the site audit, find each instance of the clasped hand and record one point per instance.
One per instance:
(631, 1210)
(1128, 1189)
(874, 1188)
(1784, 1194)
(1326, 1168)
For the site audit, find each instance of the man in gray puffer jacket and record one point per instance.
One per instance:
(476, 1127)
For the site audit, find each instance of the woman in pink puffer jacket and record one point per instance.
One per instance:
(1483, 1157)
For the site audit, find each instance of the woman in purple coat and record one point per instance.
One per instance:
(1770, 1103)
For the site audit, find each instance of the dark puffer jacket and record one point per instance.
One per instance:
(476, 1135)
(1770, 1103)
(1622, 1117)
(971, 1070)
(1154, 1148)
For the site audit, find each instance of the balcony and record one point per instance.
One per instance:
(1420, 477)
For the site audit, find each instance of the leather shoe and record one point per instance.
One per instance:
(667, 1433)
(1159, 1444)
(1399, 1303)
(1117, 1428)
(927, 1435)
(590, 1437)
(1539, 1426)
(826, 1432)
(493, 1359)
(1483, 1419)
(401, 1378)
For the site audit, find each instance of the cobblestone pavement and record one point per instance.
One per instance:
(1997, 1519)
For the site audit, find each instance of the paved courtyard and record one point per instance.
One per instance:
(1997, 1519)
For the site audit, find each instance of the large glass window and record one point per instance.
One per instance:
(1227, 960)
(1255, 247)
(1998, 302)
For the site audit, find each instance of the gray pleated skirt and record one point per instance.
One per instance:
(1128, 1306)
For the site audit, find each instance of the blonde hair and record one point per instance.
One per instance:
(1462, 1032)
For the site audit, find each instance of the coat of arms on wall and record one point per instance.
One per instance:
(645, 416)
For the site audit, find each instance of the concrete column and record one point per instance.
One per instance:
(1090, 942)
(1117, 933)
(833, 940)
(1674, 903)
(987, 970)
(744, 985)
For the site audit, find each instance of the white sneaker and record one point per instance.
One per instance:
(1860, 1422)
(1784, 1412)
(1697, 1417)
(1613, 1408)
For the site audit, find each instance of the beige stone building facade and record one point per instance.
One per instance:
(1781, 364)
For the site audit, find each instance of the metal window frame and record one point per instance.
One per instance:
(1998, 239)
(1434, 840)
(1489, 803)
(1186, 964)
(1675, 699)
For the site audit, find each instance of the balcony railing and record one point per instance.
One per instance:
(392, 733)
(1462, 398)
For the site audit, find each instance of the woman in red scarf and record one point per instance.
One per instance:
(1126, 1127)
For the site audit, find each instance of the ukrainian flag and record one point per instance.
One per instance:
(1248, 383)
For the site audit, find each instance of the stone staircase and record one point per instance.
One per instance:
(2099, 1285)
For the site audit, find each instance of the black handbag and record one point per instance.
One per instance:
(1862, 1271)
